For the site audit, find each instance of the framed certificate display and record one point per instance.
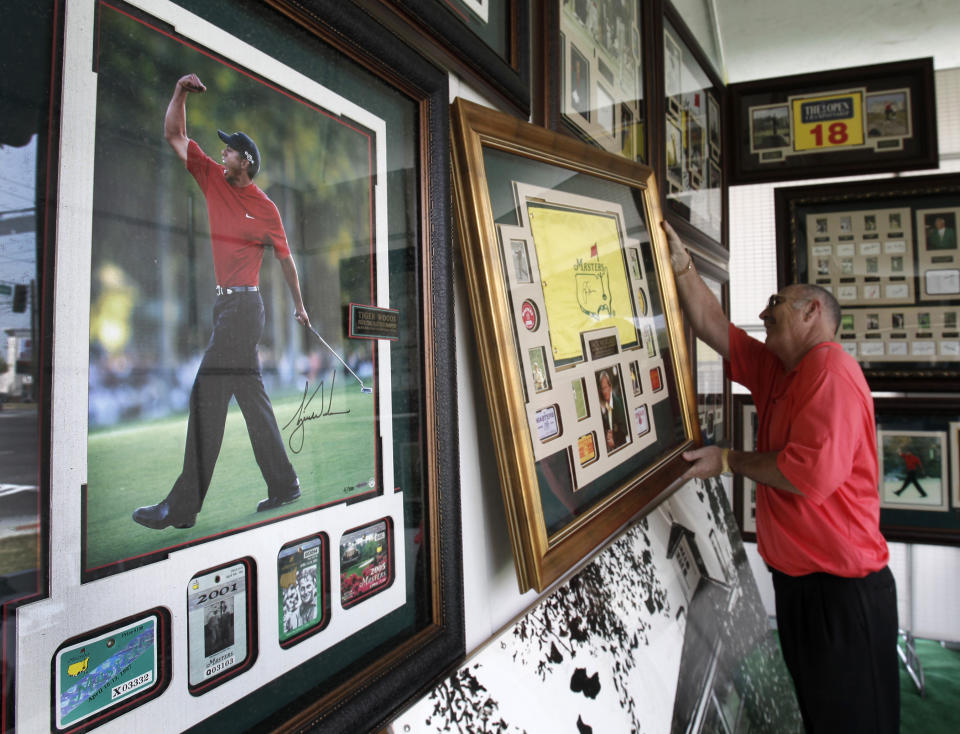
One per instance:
(595, 74)
(248, 393)
(583, 355)
(692, 154)
(917, 449)
(887, 250)
(835, 123)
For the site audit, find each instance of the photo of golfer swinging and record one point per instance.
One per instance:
(243, 224)
(233, 223)
(914, 469)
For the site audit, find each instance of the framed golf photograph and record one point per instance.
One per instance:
(913, 470)
(247, 363)
(887, 251)
(745, 428)
(609, 326)
(595, 74)
(693, 128)
(917, 451)
(843, 122)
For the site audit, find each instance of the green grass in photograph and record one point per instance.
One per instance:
(137, 464)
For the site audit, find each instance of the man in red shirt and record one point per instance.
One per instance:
(818, 503)
(244, 222)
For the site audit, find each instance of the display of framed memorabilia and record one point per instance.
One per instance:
(745, 429)
(693, 140)
(836, 123)
(713, 388)
(487, 40)
(595, 74)
(887, 250)
(918, 451)
(582, 350)
(918, 447)
(251, 391)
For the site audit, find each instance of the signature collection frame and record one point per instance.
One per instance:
(582, 352)
(887, 250)
(335, 609)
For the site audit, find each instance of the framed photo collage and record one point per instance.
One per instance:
(233, 496)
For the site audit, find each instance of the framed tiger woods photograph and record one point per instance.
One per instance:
(592, 404)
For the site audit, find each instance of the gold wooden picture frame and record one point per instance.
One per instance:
(583, 448)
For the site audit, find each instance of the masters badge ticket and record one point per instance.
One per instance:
(102, 675)
(217, 625)
(302, 589)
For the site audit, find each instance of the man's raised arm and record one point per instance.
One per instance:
(700, 305)
(175, 120)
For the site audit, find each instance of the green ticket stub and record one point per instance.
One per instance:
(104, 671)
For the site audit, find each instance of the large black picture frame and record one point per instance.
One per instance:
(903, 89)
(867, 241)
(932, 422)
(360, 681)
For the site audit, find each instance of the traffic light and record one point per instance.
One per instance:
(19, 298)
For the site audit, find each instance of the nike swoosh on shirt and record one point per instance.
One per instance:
(247, 215)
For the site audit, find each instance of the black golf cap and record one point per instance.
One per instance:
(243, 144)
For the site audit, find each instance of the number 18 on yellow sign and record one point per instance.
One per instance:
(830, 121)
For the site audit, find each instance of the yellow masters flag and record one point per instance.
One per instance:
(583, 275)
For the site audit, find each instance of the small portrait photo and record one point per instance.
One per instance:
(870, 222)
(923, 320)
(896, 264)
(941, 231)
(893, 221)
(950, 320)
(822, 225)
(897, 320)
(770, 127)
(888, 114)
(847, 322)
(713, 122)
(873, 321)
(613, 411)
(521, 261)
(846, 266)
(823, 266)
(635, 382)
(217, 626)
(913, 469)
(873, 265)
(674, 152)
(538, 369)
(846, 224)
(579, 388)
(579, 82)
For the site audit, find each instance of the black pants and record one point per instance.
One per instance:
(231, 368)
(839, 641)
(911, 478)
